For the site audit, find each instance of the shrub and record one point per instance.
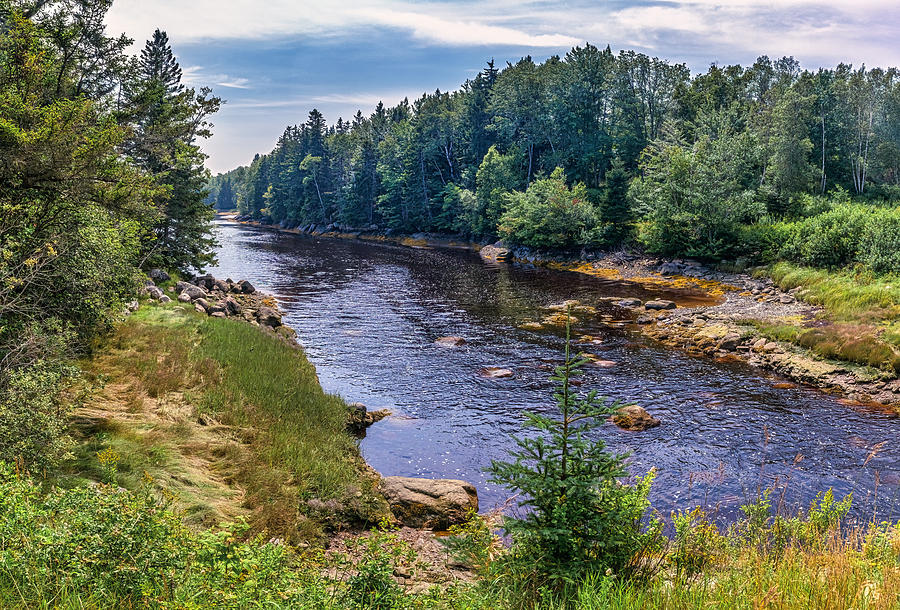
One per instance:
(580, 518)
(880, 247)
(550, 215)
(830, 239)
(33, 420)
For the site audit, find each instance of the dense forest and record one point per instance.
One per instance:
(595, 148)
(101, 177)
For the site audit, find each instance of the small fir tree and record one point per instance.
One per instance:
(580, 519)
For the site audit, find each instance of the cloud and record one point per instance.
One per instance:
(233, 83)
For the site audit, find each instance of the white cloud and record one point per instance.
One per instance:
(233, 83)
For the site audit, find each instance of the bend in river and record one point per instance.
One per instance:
(367, 316)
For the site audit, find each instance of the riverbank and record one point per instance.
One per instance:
(791, 321)
(203, 392)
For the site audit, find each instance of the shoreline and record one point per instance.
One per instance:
(719, 314)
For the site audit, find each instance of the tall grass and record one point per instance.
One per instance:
(282, 439)
(848, 295)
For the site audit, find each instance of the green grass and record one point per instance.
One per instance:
(191, 389)
(850, 295)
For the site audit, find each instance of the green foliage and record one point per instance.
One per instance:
(697, 542)
(696, 198)
(550, 215)
(33, 420)
(473, 543)
(371, 583)
(580, 518)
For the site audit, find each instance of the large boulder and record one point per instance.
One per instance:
(232, 307)
(495, 253)
(195, 292)
(268, 316)
(155, 293)
(633, 417)
(429, 503)
(246, 287)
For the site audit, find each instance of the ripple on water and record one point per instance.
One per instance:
(368, 315)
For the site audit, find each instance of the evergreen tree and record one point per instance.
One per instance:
(169, 120)
(158, 64)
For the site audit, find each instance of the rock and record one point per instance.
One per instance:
(158, 275)
(659, 304)
(133, 305)
(645, 320)
(495, 253)
(603, 364)
(184, 297)
(194, 292)
(495, 372)
(155, 293)
(180, 286)
(165, 299)
(221, 285)
(629, 303)
(268, 316)
(232, 307)
(449, 341)
(429, 503)
(358, 418)
(786, 299)
(217, 308)
(670, 268)
(203, 303)
(730, 342)
(635, 418)
(759, 344)
(218, 314)
(199, 308)
(246, 287)
(286, 332)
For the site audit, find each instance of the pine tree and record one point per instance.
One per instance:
(581, 519)
(168, 119)
(158, 64)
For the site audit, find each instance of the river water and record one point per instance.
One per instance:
(367, 316)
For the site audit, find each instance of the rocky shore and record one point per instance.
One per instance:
(729, 327)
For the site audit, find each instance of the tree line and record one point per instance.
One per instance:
(101, 176)
(591, 149)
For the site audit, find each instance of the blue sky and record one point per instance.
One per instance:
(274, 60)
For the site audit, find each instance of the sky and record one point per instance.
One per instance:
(274, 60)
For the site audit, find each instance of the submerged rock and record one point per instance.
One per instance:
(450, 341)
(635, 418)
(495, 372)
(429, 503)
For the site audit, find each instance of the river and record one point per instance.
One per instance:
(367, 316)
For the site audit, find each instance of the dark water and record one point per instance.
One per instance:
(367, 316)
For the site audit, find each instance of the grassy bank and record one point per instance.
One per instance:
(197, 422)
(860, 321)
(229, 419)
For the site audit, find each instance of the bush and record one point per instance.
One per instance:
(880, 247)
(831, 239)
(580, 518)
(33, 420)
(550, 215)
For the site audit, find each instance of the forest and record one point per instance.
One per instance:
(594, 149)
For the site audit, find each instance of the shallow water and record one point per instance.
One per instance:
(368, 314)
